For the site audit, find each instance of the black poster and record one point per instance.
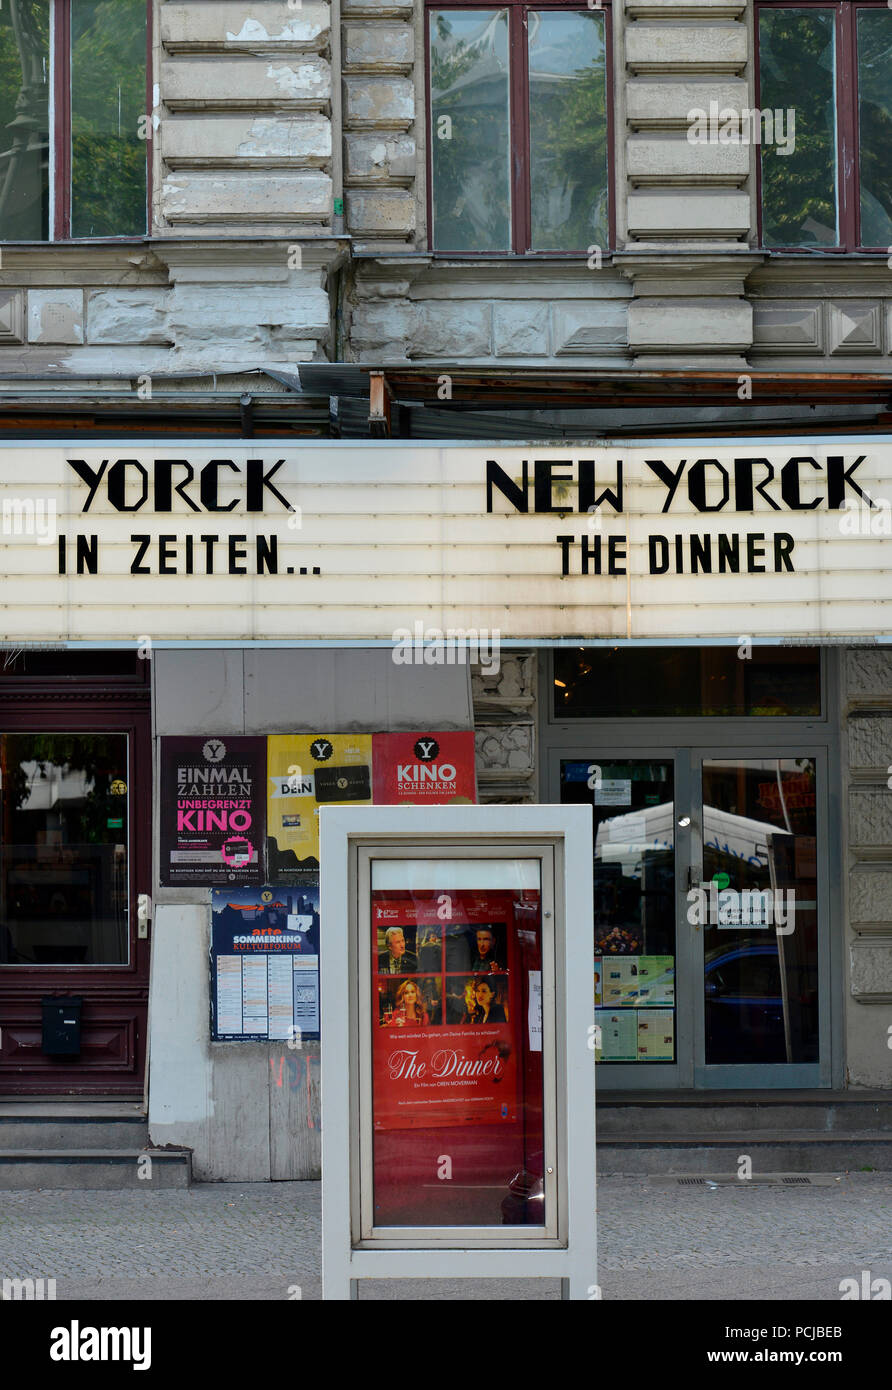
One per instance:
(213, 810)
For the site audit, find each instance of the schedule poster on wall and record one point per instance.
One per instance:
(265, 964)
(212, 814)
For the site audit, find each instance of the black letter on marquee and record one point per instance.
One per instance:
(667, 477)
(210, 482)
(515, 492)
(587, 499)
(89, 476)
(565, 542)
(697, 485)
(258, 480)
(790, 485)
(136, 567)
(117, 484)
(837, 477)
(163, 478)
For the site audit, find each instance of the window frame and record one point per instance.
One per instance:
(59, 132)
(519, 125)
(848, 171)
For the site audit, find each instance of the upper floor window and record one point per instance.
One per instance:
(518, 128)
(828, 70)
(73, 126)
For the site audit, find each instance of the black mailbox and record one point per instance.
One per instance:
(62, 1026)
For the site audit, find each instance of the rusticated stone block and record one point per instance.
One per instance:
(379, 101)
(255, 25)
(453, 329)
(870, 817)
(520, 330)
(380, 211)
(246, 196)
(381, 47)
(870, 896)
(122, 316)
(377, 158)
(869, 672)
(871, 971)
(870, 741)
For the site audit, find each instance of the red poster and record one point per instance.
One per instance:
(424, 769)
(447, 1006)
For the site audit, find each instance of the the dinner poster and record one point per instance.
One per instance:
(424, 769)
(448, 1009)
(212, 814)
(304, 772)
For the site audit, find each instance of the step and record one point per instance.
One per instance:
(628, 1115)
(72, 1125)
(94, 1169)
(782, 1150)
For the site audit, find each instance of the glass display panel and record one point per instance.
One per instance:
(797, 76)
(457, 1062)
(875, 125)
(651, 682)
(634, 892)
(24, 120)
(761, 927)
(64, 886)
(108, 97)
(568, 130)
(470, 130)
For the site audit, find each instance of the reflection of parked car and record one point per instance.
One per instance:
(744, 1006)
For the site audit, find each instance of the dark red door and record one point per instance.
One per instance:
(75, 798)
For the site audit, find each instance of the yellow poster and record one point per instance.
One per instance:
(306, 771)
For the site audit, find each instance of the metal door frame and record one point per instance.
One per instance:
(687, 740)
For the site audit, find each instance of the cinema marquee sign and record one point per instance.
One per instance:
(272, 540)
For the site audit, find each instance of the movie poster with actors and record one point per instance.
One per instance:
(448, 1007)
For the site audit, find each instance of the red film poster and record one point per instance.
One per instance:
(424, 769)
(448, 1008)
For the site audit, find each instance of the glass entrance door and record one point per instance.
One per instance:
(636, 914)
(710, 917)
(754, 916)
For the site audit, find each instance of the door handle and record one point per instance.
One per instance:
(143, 915)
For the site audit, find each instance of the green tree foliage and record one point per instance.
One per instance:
(108, 44)
(796, 71)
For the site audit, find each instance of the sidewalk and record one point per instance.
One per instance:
(262, 1241)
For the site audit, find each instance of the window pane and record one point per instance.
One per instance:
(470, 128)
(797, 72)
(63, 849)
(686, 682)
(24, 121)
(875, 125)
(108, 96)
(568, 131)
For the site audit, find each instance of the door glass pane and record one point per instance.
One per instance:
(456, 1052)
(63, 849)
(797, 75)
(875, 125)
(24, 120)
(625, 682)
(760, 920)
(470, 130)
(634, 883)
(108, 96)
(568, 130)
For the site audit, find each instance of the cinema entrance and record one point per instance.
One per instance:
(76, 768)
(712, 778)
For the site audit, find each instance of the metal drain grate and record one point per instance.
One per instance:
(691, 1182)
(797, 1182)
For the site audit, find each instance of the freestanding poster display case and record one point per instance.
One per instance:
(458, 1037)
